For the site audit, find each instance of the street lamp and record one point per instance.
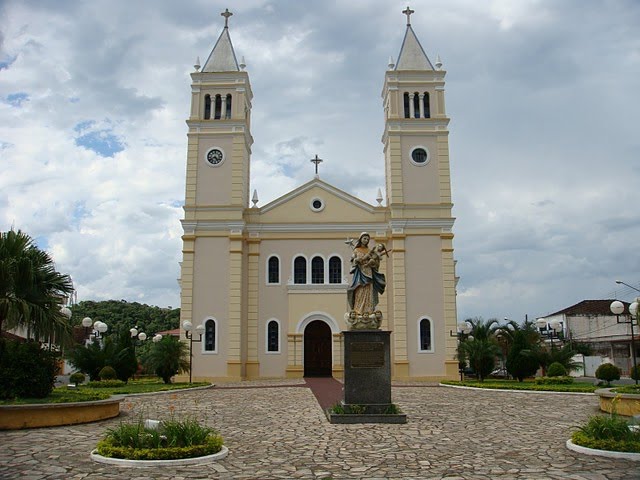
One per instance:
(463, 330)
(188, 326)
(549, 330)
(99, 329)
(156, 338)
(137, 337)
(617, 308)
(619, 282)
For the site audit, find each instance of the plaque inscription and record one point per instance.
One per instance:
(367, 355)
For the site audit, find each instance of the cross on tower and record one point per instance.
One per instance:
(408, 13)
(226, 14)
(316, 161)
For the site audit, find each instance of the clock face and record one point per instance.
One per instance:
(215, 156)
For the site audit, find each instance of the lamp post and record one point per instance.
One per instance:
(188, 326)
(617, 308)
(137, 338)
(156, 338)
(462, 331)
(549, 330)
(99, 329)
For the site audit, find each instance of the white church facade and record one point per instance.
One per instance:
(268, 284)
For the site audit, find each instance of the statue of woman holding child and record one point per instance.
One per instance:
(366, 284)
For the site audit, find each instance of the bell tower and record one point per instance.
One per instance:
(416, 152)
(217, 192)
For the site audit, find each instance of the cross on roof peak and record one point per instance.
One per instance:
(226, 14)
(408, 13)
(316, 160)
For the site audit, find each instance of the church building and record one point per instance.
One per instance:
(264, 288)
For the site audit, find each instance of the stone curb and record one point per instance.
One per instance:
(177, 390)
(463, 387)
(603, 453)
(121, 462)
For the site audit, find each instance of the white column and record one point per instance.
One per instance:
(421, 105)
(223, 107)
(412, 110)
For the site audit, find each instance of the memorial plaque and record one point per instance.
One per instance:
(367, 355)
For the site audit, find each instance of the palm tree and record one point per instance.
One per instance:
(521, 343)
(168, 357)
(31, 290)
(480, 347)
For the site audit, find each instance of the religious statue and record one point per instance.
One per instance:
(367, 283)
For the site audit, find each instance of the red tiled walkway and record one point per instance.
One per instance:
(327, 390)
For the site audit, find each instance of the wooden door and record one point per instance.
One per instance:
(317, 349)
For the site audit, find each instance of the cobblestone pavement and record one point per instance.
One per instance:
(275, 433)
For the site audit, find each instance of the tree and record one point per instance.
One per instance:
(88, 359)
(168, 357)
(31, 290)
(563, 355)
(522, 352)
(115, 351)
(480, 348)
(608, 372)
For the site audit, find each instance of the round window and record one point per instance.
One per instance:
(316, 204)
(419, 156)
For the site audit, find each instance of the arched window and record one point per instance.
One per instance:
(210, 344)
(416, 105)
(317, 270)
(217, 108)
(427, 111)
(273, 336)
(300, 270)
(207, 107)
(273, 270)
(425, 335)
(335, 270)
(227, 114)
(406, 105)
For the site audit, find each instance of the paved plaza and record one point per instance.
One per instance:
(281, 432)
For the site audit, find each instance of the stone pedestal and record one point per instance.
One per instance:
(367, 369)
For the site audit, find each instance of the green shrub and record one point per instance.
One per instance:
(106, 384)
(77, 378)
(554, 380)
(108, 373)
(580, 438)
(556, 369)
(26, 370)
(635, 372)
(608, 372)
(633, 389)
(608, 427)
(171, 440)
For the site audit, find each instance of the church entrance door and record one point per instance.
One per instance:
(317, 349)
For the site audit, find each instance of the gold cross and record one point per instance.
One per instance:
(226, 14)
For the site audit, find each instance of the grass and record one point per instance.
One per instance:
(526, 385)
(85, 393)
(628, 389)
(607, 433)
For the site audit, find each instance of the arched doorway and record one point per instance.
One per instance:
(317, 349)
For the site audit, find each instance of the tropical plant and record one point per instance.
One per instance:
(480, 347)
(167, 358)
(522, 356)
(608, 372)
(88, 359)
(31, 290)
(563, 355)
(116, 351)
(26, 370)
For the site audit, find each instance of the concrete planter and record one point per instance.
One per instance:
(627, 404)
(15, 417)
(121, 462)
(603, 453)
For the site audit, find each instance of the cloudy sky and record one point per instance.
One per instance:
(544, 100)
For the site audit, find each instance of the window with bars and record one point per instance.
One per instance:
(300, 270)
(425, 335)
(335, 270)
(317, 270)
(273, 336)
(210, 336)
(273, 274)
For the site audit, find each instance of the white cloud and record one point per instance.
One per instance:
(543, 138)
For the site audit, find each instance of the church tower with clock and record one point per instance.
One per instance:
(263, 288)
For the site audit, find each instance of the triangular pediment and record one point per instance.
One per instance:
(318, 202)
